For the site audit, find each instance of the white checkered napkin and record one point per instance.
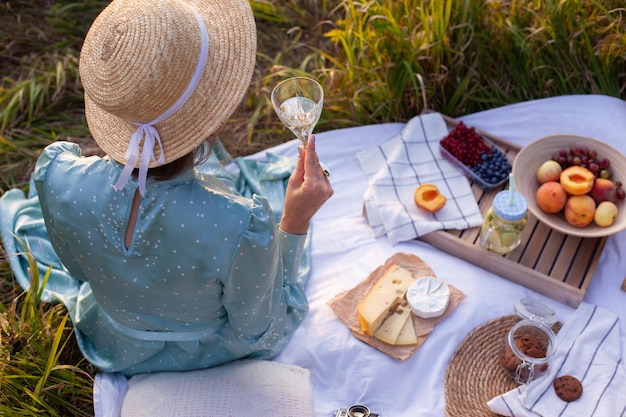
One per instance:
(397, 167)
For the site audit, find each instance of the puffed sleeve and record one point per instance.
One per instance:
(49, 154)
(49, 169)
(262, 293)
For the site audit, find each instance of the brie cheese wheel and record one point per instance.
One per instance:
(428, 297)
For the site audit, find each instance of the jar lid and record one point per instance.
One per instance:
(510, 212)
(530, 309)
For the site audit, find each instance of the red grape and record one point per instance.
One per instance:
(603, 163)
(585, 157)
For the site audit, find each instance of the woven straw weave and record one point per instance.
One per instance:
(474, 375)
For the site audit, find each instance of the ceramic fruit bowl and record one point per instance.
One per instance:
(533, 155)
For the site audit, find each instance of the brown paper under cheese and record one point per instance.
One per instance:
(345, 304)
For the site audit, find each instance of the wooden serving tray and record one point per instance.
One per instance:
(552, 263)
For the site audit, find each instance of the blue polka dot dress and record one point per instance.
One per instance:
(207, 278)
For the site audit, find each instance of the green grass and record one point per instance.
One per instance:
(41, 371)
(379, 61)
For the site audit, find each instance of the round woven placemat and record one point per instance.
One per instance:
(474, 375)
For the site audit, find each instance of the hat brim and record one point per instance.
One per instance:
(225, 80)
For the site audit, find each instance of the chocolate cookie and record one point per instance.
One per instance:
(568, 388)
(531, 346)
(509, 361)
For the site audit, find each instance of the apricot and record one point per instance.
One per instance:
(428, 197)
(551, 197)
(549, 171)
(603, 190)
(577, 180)
(605, 214)
(579, 210)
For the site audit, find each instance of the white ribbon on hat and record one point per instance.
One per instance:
(148, 132)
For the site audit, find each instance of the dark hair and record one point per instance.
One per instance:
(199, 155)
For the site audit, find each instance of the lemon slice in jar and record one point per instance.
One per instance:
(508, 238)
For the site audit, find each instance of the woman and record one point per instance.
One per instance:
(175, 271)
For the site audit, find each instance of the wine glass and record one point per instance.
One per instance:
(298, 103)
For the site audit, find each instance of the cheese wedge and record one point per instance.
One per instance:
(389, 331)
(388, 291)
(428, 297)
(407, 335)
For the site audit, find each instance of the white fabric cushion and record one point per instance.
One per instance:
(242, 388)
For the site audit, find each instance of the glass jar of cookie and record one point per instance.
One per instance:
(530, 343)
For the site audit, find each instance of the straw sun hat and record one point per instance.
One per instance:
(147, 66)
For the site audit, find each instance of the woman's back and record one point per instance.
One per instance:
(201, 260)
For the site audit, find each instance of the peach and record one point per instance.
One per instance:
(603, 190)
(551, 197)
(605, 213)
(428, 197)
(579, 210)
(549, 171)
(577, 180)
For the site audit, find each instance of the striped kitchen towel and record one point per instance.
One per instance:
(397, 167)
(589, 349)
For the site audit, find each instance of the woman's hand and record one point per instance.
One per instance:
(307, 191)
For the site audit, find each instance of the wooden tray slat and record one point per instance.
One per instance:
(547, 261)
